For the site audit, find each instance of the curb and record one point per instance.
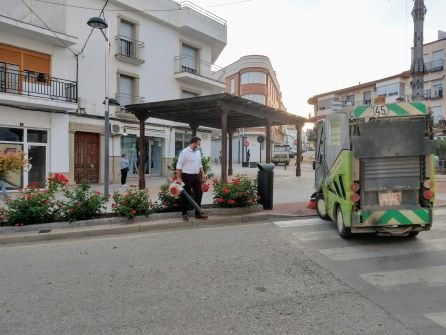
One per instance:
(126, 228)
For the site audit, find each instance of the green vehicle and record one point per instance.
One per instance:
(375, 169)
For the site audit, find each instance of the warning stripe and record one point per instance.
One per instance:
(398, 217)
(395, 109)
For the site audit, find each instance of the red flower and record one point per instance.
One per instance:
(230, 202)
(98, 193)
(113, 205)
(220, 200)
(133, 211)
(236, 181)
(226, 190)
(250, 201)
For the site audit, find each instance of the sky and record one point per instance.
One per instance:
(317, 46)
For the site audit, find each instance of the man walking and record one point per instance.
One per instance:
(190, 171)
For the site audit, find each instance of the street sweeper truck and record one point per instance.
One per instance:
(375, 169)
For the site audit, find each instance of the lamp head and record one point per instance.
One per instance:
(97, 22)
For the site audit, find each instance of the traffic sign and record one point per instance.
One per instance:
(260, 139)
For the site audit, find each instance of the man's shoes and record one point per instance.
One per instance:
(201, 216)
(185, 217)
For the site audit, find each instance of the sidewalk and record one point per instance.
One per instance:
(290, 197)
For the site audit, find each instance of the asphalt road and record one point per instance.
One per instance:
(407, 277)
(251, 279)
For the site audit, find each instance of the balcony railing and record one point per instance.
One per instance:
(128, 47)
(28, 83)
(128, 99)
(436, 65)
(194, 65)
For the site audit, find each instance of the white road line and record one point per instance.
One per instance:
(317, 236)
(383, 250)
(300, 223)
(427, 277)
(439, 318)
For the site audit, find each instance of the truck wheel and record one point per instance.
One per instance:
(320, 207)
(343, 231)
(413, 234)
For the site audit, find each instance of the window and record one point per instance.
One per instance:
(367, 97)
(324, 104)
(260, 98)
(181, 141)
(437, 112)
(189, 56)
(232, 86)
(388, 90)
(126, 40)
(34, 143)
(437, 89)
(126, 94)
(253, 78)
(437, 61)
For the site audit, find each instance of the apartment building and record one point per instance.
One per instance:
(394, 88)
(252, 77)
(52, 75)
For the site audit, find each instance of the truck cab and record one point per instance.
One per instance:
(281, 154)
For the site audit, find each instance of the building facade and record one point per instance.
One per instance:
(52, 82)
(252, 77)
(394, 88)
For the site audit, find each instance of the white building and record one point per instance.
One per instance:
(53, 82)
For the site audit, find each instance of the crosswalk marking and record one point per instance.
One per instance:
(382, 250)
(317, 236)
(428, 277)
(299, 223)
(439, 318)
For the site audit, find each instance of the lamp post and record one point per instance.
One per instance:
(99, 23)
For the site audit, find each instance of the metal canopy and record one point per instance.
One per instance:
(221, 111)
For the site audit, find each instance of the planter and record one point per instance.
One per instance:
(46, 227)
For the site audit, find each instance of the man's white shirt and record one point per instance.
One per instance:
(189, 161)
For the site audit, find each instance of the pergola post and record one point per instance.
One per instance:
(194, 127)
(224, 144)
(230, 132)
(298, 149)
(268, 141)
(142, 150)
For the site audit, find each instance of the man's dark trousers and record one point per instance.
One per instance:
(192, 182)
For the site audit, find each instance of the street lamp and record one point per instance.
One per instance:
(100, 23)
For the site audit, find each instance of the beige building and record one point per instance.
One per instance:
(394, 88)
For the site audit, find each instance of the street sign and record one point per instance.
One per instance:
(260, 139)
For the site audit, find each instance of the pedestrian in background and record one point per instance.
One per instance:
(189, 171)
(125, 164)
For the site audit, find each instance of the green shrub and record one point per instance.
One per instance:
(240, 192)
(132, 203)
(83, 203)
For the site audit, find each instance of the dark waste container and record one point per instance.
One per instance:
(265, 183)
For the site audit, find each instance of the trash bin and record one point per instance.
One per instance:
(265, 183)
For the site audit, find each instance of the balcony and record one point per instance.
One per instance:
(33, 89)
(434, 66)
(434, 94)
(128, 50)
(125, 99)
(198, 72)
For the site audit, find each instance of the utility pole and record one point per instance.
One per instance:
(418, 67)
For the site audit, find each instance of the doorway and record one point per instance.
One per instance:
(86, 157)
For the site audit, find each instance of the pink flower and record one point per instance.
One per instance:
(220, 200)
(133, 211)
(226, 190)
(230, 202)
(113, 205)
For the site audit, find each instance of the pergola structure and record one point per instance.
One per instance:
(221, 111)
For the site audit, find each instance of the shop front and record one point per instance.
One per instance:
(152, 154)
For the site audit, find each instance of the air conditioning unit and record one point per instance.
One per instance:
(115, 129)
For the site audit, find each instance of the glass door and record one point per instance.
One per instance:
(155, 156)
(37, 165)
